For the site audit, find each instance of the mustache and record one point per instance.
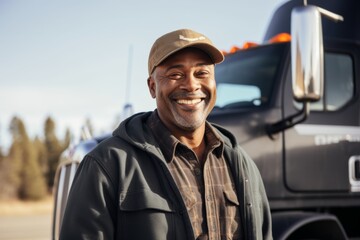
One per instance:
(180, 95)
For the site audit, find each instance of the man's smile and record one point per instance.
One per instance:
(189, 101)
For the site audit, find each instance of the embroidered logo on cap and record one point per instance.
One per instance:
(181, 37)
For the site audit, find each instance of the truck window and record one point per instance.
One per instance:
(246, 78)
(232, 93)
(338, 83)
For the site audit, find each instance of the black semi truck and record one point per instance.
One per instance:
(293, 103)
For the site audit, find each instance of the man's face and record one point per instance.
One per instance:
(185, 89)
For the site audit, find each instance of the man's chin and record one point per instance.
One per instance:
(190, 123)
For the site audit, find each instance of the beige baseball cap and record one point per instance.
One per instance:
(172, 42)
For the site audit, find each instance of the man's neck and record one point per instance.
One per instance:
(195, 141)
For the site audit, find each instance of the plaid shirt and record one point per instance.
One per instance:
(208, 191)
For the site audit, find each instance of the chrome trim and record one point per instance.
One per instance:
(354, 183)
(73, 168)
(329, 134)
(65, 173)
(313, 129)
(307, 54)
(330, 15)
(59, 192)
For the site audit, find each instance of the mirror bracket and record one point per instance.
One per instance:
(289, 121)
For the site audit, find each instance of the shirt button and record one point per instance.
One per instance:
(208, 197)
(197, 171)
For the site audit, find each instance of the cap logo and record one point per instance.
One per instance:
(181, 37)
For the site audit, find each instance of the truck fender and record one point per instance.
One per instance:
(304, 225)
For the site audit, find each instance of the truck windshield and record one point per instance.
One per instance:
(246, 78)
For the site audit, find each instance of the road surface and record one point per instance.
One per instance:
(25, 227)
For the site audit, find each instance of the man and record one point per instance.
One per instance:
(169, 174)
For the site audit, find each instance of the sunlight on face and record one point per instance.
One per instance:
(185, 89)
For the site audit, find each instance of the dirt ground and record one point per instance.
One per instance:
(16, 207)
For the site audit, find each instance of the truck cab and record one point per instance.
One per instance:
(307, 148)
(311, 169)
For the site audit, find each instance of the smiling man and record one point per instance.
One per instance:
(170, 174)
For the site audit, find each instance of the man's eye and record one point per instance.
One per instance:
(175, 76)
(202, 74)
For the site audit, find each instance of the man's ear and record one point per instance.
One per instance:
(152, 86)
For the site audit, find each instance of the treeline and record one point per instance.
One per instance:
(28, 168)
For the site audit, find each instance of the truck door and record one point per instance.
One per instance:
(318, 151)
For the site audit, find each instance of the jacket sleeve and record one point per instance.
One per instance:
(91, 207)
(260, 204)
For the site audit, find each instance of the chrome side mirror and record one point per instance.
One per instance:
(307, 51)
(307, 61)
(307, 54)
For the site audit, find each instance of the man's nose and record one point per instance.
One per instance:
(191, 83)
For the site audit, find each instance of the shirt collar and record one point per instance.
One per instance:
(168, 143)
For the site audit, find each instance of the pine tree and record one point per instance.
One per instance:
(54, 148)
(11, 165)
(33, 181)
(9, 180)
(24, 171)
(40, 150)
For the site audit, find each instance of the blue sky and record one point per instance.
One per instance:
(70, 59)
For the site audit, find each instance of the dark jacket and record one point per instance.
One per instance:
(124, 190)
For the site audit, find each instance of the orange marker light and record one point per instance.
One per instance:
(249, 45)
(234, 49)
(281, 37)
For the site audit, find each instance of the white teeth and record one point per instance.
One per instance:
(188, 102)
